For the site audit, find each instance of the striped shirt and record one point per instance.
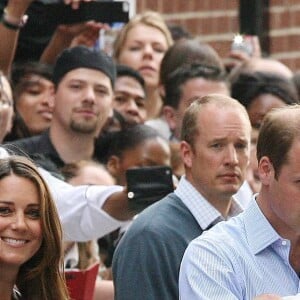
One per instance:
(204, 213)
(238, 259)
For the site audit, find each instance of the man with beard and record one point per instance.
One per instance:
(82, 102)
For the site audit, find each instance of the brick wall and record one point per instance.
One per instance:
(216, 21)
(285, 31)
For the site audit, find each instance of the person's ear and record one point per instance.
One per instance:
(113, 165)
(266, 170)
(186, 154)
(170, 115)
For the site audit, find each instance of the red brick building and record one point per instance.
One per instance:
(216, 21)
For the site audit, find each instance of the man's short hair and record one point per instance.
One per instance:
(123, 70)
(176, 80)
(186, 52)
(190, 128)
(279, 130)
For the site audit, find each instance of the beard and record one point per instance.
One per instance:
(84, 126)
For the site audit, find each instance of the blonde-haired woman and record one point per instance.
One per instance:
(141, 44)
(30, 235)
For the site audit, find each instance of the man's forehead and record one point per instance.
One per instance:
(129, 80)
(228, 118)
(129, 84)
(87, 75)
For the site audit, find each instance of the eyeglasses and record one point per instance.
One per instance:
(5, 101)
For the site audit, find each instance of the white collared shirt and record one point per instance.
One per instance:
(204, 213)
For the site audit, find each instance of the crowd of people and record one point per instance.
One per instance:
(74, 120)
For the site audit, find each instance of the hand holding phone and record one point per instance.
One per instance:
(243, 48)
(242, 43)
(147, 185)
(103, 11)
(249, 44)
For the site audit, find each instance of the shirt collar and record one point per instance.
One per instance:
(204, 213)
(259, 231)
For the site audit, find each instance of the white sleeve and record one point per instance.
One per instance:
(80, 210)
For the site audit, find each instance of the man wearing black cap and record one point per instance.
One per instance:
(84, 81)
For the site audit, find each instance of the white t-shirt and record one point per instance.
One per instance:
(79, 207)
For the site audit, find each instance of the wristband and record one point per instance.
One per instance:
(13, 25)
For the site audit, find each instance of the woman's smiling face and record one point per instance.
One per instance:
(20, 223)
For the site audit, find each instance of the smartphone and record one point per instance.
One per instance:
(107, 37)
(243, 43)
(147, 185)
(103, 11)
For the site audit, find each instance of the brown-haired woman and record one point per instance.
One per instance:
(30, 235)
